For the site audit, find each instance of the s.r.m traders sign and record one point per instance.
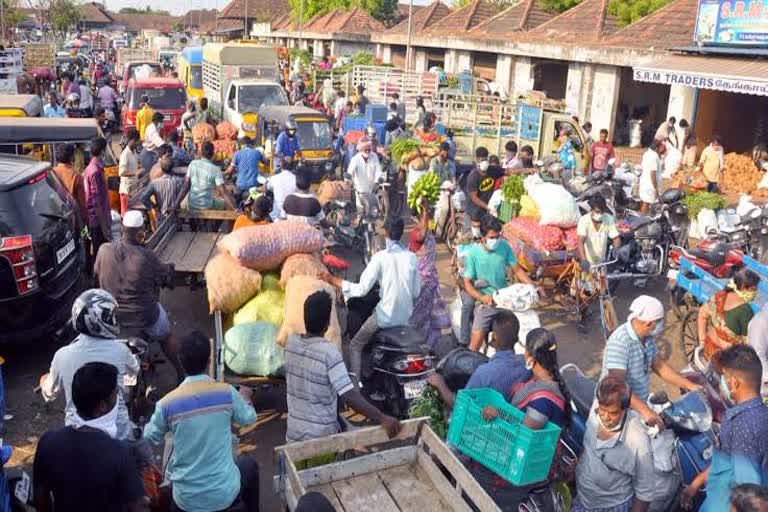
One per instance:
(702, 81)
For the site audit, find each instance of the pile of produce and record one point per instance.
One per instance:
(740, 174)
(226, 131)
(430, 404)
(701, 200)
(426, 187)
(404, 151)
(512, 189)
(546, 239)
(690, 179)
(224, 150)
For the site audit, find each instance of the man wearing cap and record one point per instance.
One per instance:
(365, 170)
(133, 274)
(287, 144)
(631, 353)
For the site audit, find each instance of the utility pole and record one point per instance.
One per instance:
(2, 19)
(408, 44)
(245, 14)
(301, 22)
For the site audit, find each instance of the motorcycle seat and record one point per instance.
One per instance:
(581, 389)
(714, 257)
(400, 339)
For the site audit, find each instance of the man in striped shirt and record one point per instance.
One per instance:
(316, 376)
(165, 190)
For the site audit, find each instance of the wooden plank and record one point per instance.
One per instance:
(464, 480)
(364, 493)
(199, 252)
(293, 479)
(176, 248)
(362, 465)
(348, 440)
(208, 214)
(327, 491)
(412, 494)
(449, 493)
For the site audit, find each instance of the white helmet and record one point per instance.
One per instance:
(95, 313)
(73, 98)
(371, 131)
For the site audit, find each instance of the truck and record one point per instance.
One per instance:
(486, 121)
(239, 78)
(39, 55)
(126, 55)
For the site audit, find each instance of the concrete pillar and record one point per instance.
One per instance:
(317, 48)
(420, 60)
(304, 44)
(682, 103)
(522, 78)
(450, 61)
(386, 54)
(605, 97)
(464, 61)
(574, 89)
(504, 67)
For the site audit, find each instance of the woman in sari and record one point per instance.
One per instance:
(430, 315)
(724, 318)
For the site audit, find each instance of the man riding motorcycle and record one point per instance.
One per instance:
(94, 317)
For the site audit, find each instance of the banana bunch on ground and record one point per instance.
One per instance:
(427, 187)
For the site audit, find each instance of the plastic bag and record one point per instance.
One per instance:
(706, 222)
(229, 284)
(556, 205)
(226, 131)
(532, 182)
(495, 201)
(528, 207)
(296, 293)
(528, 320)
(250, 349)
(528, 230)
(267, 306)
(265, 247)
(301, 265)
(517, 297)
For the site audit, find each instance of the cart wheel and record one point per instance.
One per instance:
(677, 302)
(689, 334)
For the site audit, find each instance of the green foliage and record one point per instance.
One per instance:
(629, 11)
(362, 58)
(430, 404)
(500, 4)
(303, 56)
(145, 10)
(560, 5)
(64, 15)
(700, 200)
(382, 10)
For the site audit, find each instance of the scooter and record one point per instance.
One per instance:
(689, 418)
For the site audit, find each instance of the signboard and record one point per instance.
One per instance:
(702, 81)
(732, 22)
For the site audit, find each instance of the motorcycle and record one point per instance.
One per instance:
(615, 187)
(646, 239)
(395, 363)
(353, 230)
(691, 433)
(449, 214)
(390, 194)
(141, 391)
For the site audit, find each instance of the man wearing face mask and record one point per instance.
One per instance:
(479, 186)
(743, 453)
(133, 274)
(485, 273)
(631, 353)
(594, 230)
(82, 466)
(94, 317)
(287, 144)
(615, 469)
(365, 171)
(467, 301)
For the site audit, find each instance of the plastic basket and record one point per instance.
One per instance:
(504, 445)
(353, 123)
(376, 113)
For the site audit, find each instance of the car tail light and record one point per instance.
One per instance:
(413, 364)
(37, 178)
(18, 250)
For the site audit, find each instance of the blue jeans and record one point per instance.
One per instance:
(467, 317)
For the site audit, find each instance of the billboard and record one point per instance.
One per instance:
(727, 22)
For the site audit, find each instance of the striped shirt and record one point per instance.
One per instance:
(199, 413)
(626, 351)
(204, 176)
(166, 190)
(315, 376)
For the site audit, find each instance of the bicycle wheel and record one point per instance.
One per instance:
(608, 317)
(689, 334)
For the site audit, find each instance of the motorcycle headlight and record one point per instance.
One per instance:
(328, 166)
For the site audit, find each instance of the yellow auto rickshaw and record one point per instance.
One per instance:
(313, 129)
(20, 105)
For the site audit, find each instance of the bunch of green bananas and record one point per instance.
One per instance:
(428, 187)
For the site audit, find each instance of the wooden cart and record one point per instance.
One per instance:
(416, 472)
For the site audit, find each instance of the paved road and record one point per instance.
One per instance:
(189, 310)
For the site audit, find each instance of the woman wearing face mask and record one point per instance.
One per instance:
(724, 318)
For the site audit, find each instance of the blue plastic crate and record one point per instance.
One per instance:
(381, 131)
(352, 123)
(376, 113)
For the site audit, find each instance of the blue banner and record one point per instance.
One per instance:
(727, 22)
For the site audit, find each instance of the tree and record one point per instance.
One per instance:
(382, 10)
(560, 5)
(629, 11)
(145, 10)
(63, 16)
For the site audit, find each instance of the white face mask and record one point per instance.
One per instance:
(615, 428)
(597, 217)
(106, 423)
(483, 166)
(491, 243)
(475, 232)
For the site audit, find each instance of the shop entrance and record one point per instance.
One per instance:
(484, 65)
(741, 120)
(435, 59)
(550, 76)
(642, 101)
(398, 56)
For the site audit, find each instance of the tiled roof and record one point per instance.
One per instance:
(423, 18)
(256, 8)
(464, 19)
(669, 27)
(283, 22)
(93, 12)
(587, 22)
(353, 21)
(197, 17)
(524, 15)
(225, 26)
(139, 22)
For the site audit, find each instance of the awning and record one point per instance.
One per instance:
(226, 26)
(747, 76)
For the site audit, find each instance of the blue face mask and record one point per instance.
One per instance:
(724, 389)
(491, 243)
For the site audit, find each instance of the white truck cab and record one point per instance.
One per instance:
(244, 97)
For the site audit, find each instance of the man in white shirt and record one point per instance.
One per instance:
(365, 170)
(650, 179)
(282, 185)
(86, 100)
(396, 271)
(303, 205)
(152, 142)
(339, 104)
(128, 167)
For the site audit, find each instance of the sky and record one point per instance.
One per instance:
(179, 7)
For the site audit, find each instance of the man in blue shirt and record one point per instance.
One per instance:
(743, 453)
(53, 109)
(246, 162)
(200, 413)
(502, 372)
(287, 144)
(485, 272)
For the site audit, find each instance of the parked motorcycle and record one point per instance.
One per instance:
(615, 187)
(646, 239)
(395, 363)
(350, 229)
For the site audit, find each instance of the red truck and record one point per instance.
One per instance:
(166, 95)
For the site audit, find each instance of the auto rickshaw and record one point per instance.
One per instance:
(313, 130)
(20, 105)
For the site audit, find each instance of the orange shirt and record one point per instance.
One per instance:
(243, 221)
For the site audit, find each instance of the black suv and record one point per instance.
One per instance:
(41, 254)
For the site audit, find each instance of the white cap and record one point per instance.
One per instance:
(646, 309)
(133, 219)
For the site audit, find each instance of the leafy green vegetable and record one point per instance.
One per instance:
(512, 188)
(430, 404)
(701, 200)
(402, 147)
(427, 186)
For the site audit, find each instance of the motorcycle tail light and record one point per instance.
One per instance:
(413, 364)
